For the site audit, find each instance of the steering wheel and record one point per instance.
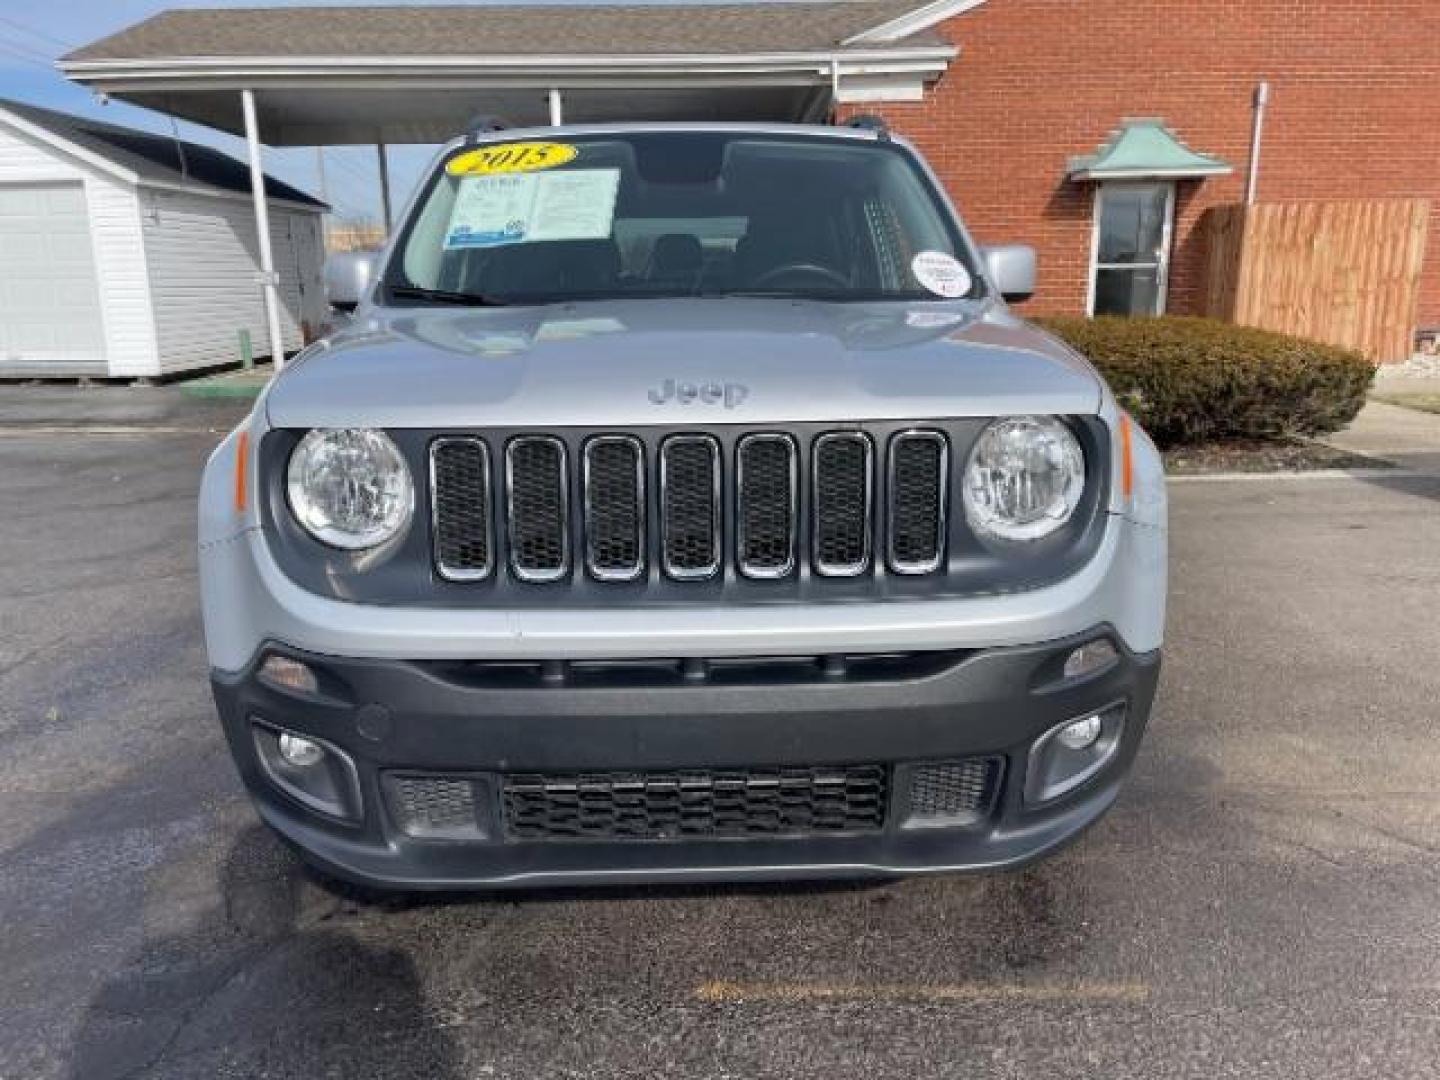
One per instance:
(775, 277)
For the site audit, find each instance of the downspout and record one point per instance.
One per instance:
(1252, 180)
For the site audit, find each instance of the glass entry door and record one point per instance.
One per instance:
(1131, 260)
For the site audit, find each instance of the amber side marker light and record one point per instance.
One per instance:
(1127, 456)
(242, 472)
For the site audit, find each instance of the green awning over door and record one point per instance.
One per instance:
(1145, 149)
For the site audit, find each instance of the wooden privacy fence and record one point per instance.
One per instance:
(1346, 273)
(352, 236)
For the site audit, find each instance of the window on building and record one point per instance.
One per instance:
(1131, 260)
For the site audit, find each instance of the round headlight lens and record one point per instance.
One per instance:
(1024, 478)
(349, 487)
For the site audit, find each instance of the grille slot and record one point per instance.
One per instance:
(919, 475)
(843, 487)
(537, 489)
(690, 506)
(953, 792)
(460, 508)
(767, 501)
(615, 507)
(695, 803)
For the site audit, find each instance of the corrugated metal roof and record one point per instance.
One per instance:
(156, 158)
(629, 29)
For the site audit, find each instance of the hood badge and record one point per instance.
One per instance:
(729, 394)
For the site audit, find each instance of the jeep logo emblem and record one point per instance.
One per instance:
(729, 394)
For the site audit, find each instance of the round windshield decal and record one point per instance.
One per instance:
(941, 274)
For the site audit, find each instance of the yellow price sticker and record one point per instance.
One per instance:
(511, 158)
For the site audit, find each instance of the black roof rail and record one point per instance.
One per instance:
(870, 122)
(483, 124)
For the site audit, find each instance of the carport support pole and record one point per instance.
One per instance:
(268, 280)
(384, 185)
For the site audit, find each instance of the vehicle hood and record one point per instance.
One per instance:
(674, 362)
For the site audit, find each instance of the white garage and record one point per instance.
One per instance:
(126, 254)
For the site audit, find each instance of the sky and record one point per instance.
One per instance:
(33, 34)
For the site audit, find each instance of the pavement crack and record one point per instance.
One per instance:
(223, 982)
(1300, 845)
(1391, 834)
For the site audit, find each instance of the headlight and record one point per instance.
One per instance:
(349, 487)
(1024, 478)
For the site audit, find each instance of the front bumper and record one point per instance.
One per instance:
(394, 717)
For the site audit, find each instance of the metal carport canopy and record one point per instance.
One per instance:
(331, 76)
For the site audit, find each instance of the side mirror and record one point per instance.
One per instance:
(348, 277)
(1012, 269)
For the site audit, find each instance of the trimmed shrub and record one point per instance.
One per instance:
(1191, 380)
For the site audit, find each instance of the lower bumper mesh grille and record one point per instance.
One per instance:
(954, 792)
(695, 803)
(434, 807)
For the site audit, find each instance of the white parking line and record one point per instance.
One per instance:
(722, 991)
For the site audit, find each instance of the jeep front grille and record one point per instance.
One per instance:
(690, 507)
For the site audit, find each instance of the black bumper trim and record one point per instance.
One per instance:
(402, 716)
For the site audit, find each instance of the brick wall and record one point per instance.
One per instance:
(1354, 112)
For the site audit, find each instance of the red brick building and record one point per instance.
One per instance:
(1003, 96)
(1354, 112)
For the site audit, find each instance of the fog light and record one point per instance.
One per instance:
(1069, 754)
(288, 674)
(1076, 735)
(301, 753)
(1089, 658)
(312, 771)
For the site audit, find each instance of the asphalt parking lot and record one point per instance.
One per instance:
(1262, 902)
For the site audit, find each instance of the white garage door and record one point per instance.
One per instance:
(49, 302)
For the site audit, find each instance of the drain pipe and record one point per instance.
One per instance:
(1252, 180)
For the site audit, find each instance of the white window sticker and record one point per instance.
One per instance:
(574, 205)
(941, 274)
(491, 210)
(513, 208)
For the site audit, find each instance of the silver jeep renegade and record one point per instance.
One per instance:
(682, 502)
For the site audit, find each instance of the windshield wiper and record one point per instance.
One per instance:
(445, 296)
(828, 296)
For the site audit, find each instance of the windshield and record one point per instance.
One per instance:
(680, 214)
